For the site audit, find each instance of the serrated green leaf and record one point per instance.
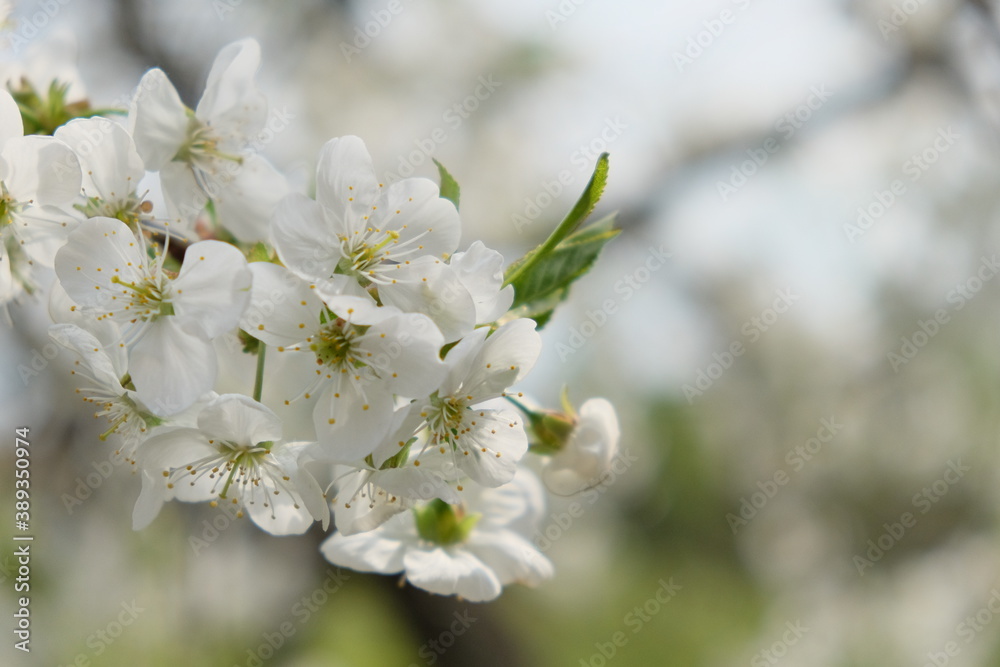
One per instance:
(449, 186)
(581, 210)
(551, 278)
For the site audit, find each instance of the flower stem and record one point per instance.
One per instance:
(258, 384)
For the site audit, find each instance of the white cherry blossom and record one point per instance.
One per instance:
(354, 355)
(486, 443)
(471, 550)
(204, 154)
(39, 178)
(235, 455)
(392, 239)
(168, 321)
(589, 451)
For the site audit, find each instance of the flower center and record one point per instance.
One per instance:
(9, 207)
(202, 145)
(131, 210)
(366, 250)
(445, 416)
(444, 524)
(145, 300)
(244, 463)
(333, 345)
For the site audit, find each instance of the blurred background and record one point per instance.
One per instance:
(807, 386)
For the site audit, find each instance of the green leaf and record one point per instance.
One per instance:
(580, 211)
(449, 186)
(551, 278)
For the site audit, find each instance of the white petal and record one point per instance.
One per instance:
(213, 287)
(283, 310)
(501, 435)
(481, 271)
(425, 483)
(93, 356)
(414, 207)
(405, 350)
(360, 507)
(184, 197)
(42, 230)
(111, 165)
(240, 419)
(245, 203)
(506, 357)
(511, 557)
(346, 183)
(349, 426)
(358, 310)
(451, 573)
(460, 360)
(588, 454)
(158, 120)
(429, 286)
(518, 505)
(171, 368)
(309, 491)
(284, 514)
(150, 501)
(11, 124)
(96, 250)
(380, 550)
(303, 238)
(175, 448)
(41, 170)
(232, 103)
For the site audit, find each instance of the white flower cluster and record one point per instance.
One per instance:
(404, 346)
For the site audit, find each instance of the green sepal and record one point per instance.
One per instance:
(261, 253)
(449, 186)
(438, 522)
(250, 344)
(44, 115)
